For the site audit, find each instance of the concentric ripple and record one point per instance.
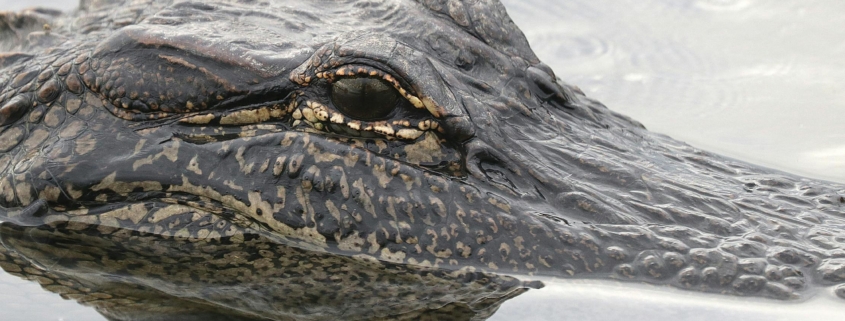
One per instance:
(757, 80)
(722, 5)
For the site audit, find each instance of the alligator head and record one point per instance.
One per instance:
(422, 134)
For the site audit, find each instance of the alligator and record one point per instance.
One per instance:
(379, 159)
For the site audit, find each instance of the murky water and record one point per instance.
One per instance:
(756, 80)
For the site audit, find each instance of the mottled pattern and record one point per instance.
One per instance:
(168, 127)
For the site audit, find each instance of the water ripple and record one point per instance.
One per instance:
(736, 75)
(722, 5)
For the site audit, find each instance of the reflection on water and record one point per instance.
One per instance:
(606, 300)
(22, 300)
(128, 275)
(756, 80)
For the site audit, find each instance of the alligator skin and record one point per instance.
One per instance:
(186, 159)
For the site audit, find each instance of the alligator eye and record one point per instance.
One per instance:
(364, 98)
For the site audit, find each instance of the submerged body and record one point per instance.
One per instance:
(167, 144)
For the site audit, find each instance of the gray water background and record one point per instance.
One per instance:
(756, 80)
(761, 81)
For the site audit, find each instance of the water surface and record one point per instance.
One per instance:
(761, 81)
(594, 300)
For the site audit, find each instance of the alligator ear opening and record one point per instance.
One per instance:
(487, 164)
(546, 87)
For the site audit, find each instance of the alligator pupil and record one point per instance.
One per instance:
(364, 98)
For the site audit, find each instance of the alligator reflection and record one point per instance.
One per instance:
(129, 275)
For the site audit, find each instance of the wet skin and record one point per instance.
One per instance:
(419, 139)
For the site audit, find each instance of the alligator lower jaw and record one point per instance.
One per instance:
(178, 215)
